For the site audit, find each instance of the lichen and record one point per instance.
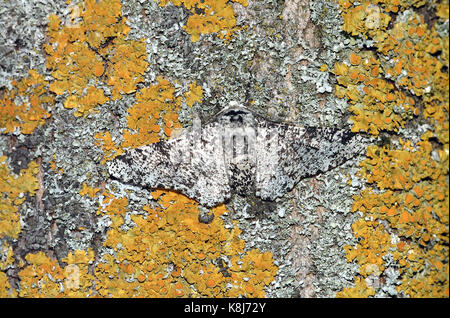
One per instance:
(169, 253)
(155, 111)
(109, 147)
(405, 204)
(359, 290)
(6, 260)
(87, 190)
(41, 278)
(374, 100)
(153, 117)
(14, 189)
(93, 52)
(194, 95)
(414, 202)
(25, 107)
(128, 65)
(78, 280)
(44, 277)
(208, 16)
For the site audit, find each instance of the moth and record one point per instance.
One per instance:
(236, 152)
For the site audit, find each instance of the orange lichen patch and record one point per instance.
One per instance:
(368, 252)
(254, 268)
(72, 61)
(86, 103)
(43, 277)
(94, 51)
(363, 18)
(442, 10)
(6, 260)
(371, 17)
(355, 59)
(401, 168)
(416, 206)
(411, 45)
(103, 20)
(169, 253)
(373, 99)
(408, 185)
(5, 289)
(77, 279)
(195, 94)
(24, 107)
(208, 16)
(128, 65)
(324, 68)
(13, 191)
(156, 108)
(109, 147)
(89, 191)
(418, 56)
(360, 290)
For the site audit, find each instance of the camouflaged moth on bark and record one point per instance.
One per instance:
(236, 152)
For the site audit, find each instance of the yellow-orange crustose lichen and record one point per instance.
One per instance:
(78, 279)
(54, 166)
(86, 104)
(128, 65)
(208, 16)
(194, 95)
(156, 109)
(415, 203)
(374, 100)
(370, 18)
(405, 206)
(169, 253)
(13, 191)
(87, 190)
(360, 290)
(6, 260)
(411, 46)
(109, 147)
(154, 117)
(44, 277)
(93, 51)
(25, 106)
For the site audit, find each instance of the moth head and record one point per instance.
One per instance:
(236, 116)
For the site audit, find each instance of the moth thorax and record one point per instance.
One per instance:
(239, 144)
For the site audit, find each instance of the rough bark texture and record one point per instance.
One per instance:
(84, 82)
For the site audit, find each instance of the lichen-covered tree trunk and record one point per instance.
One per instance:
(85, 83)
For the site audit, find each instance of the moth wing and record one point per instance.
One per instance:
(208, 164)
(190, 163)
(323, 149)
(287, 154)
(276, 158)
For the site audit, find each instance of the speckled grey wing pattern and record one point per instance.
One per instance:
(191, 163)
(301, 153)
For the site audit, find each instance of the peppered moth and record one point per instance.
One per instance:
(236, 152)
